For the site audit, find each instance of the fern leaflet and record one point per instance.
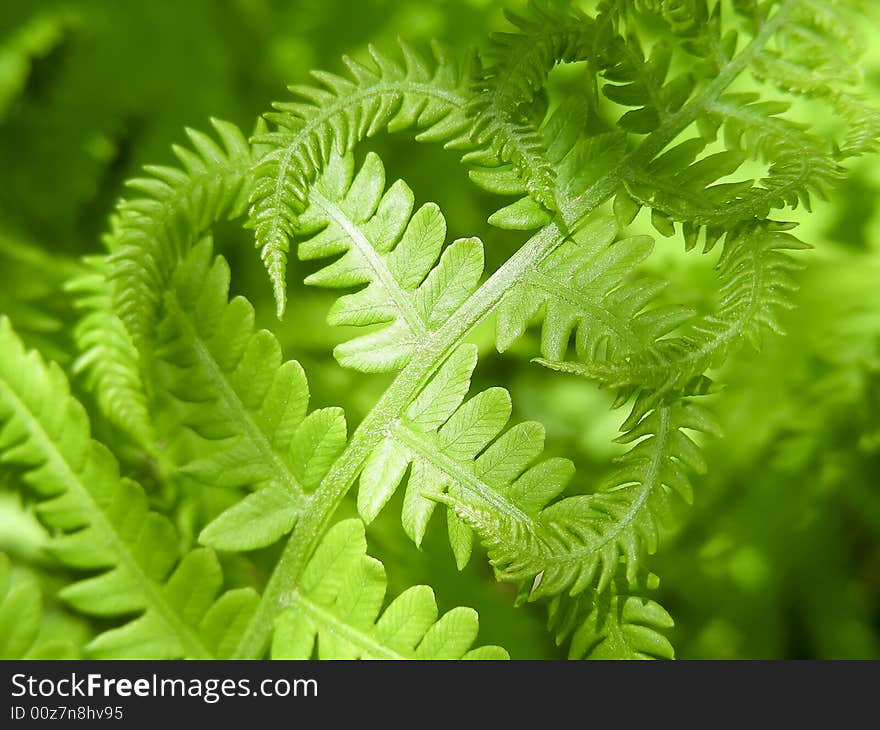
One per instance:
(247, 407)
(102, 523)
(392, 250)
(612, 625)
(21, 613)
(338, 602)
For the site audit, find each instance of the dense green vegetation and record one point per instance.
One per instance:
(568, 320)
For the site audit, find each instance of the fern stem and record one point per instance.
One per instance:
(373, 429)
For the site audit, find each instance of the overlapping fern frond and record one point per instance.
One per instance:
(615, 624)
(248, 408)
(151, 234)
(512, 80)
(803, 51)
(107, 354)
(811, 57)
(101, 522)
(335, 611)
(578, 542)
(332, 117)
(659, 125)
(446, 449)
(755, 285)
(589, 285)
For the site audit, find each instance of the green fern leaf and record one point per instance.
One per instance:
(440, 437)
(338, 602)
(578, 541)
(108, 356)
(520, 62)
(805, 50)
(812, 58)
(755, 286)
(150, 234)
(248, 407)
(611, 625)
(391, 250)
(102, 522)
(683, 185)
(333, 117)
(449, 450)
(576, 162)
(587, 286)
(642, 83)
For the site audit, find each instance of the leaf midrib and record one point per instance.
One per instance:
(359, 638)
(377, 263)
(428, 449)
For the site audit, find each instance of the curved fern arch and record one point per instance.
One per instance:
(664, 108)
(656, 128)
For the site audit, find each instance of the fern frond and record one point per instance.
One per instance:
(755, 283)
(391, 250)
(248, 408)
(587, 286)
(545, 34)
(517, 72)
(337, 606)
(686, 18)
(108, 356)
(611, 625)
(812, 57)
(682, 186)
(445, 449)
(798, 47)
(21, 614)
(755, 286)
(102, 523)
(642, 83)
(579, 156)
(440, 438)
(334, 117)
(580, 540)
(150, 234)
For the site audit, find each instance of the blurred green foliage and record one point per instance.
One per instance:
(780, 556)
